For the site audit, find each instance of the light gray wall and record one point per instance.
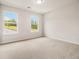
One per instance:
(24, 26)
(63, 23)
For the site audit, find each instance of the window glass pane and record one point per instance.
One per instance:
(34, 23)
(10, 25)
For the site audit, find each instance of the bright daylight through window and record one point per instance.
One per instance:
(34, 24)
(9, 22)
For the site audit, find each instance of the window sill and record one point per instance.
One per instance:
(10, 33)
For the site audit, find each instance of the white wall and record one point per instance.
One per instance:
(63, 23)
(0, 23)
(24, 28)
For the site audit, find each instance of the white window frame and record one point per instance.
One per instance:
(37, 20)
(16, 22)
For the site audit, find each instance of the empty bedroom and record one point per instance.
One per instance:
(39, 29)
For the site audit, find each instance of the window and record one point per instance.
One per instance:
(34, 24)
(9, 22)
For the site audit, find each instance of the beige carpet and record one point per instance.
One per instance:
(41, 48)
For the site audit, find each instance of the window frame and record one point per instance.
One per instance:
(37, 21)
(16, 22)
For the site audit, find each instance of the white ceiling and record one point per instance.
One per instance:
(47, 6)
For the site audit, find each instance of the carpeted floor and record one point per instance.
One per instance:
(41, 48)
